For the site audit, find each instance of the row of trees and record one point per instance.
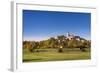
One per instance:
(59, 42)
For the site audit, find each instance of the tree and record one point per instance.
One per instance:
(73, 43)
(62, 41)
(76, 44)
(53, 43)
(59, 42)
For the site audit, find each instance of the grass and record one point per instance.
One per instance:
(54, 55)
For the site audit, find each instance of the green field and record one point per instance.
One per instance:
(54, 55)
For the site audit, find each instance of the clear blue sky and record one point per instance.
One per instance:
(39, 25)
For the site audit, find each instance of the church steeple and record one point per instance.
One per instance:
(68, 34)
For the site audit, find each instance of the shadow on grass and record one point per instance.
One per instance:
(30, 60)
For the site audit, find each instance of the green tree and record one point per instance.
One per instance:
(62, 41)
(53, 43)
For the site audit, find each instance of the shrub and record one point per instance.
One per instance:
(60, 50)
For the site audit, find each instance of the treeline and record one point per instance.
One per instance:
(59, 43)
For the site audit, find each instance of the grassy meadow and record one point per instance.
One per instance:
(41, 55)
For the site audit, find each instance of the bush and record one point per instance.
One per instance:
(60, 50)
(82, 49)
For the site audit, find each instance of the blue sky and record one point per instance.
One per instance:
(40, 25)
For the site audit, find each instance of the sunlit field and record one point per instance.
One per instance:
(40, 55)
